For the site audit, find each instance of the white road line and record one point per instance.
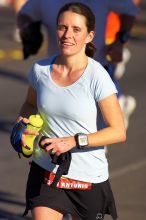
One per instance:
(127, 169)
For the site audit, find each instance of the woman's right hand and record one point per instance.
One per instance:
(25, 120)
(26, 131)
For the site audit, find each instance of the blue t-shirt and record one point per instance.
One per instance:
(69, 110)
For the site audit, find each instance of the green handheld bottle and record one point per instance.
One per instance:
(35, 124)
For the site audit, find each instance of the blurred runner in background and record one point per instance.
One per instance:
(116, 70)
(127, 102)
(17, 5)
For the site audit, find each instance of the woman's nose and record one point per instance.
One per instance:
(68, 33)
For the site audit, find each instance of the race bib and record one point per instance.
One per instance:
(65, 183)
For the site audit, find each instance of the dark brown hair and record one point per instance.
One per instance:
(84, 10)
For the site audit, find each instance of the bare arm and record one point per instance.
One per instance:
(29, 107)
(115, 131)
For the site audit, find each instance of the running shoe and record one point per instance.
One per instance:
(121, 66)
(128, 105)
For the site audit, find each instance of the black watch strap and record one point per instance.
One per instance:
(81, 140)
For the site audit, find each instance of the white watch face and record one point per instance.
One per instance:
(83, 140)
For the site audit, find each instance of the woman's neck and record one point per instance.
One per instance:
(70, 64)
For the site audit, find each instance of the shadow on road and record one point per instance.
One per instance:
(13, 76)
(6, 126)
(8, 199)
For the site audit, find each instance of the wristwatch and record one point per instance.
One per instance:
(81, 140)
(123, 36)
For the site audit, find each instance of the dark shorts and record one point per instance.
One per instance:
(85, 204)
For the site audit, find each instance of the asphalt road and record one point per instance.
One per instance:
(127, 161)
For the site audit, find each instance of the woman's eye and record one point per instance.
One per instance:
(61, 27)
(76, 30)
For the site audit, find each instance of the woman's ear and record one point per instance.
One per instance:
(90, 37)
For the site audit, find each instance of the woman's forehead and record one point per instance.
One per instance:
(72, 17)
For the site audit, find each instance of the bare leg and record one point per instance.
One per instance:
(44, 213)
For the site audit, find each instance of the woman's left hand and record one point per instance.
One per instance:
(59, 145)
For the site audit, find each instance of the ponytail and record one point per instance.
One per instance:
(90, 49)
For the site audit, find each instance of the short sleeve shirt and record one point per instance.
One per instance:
(70, 110)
